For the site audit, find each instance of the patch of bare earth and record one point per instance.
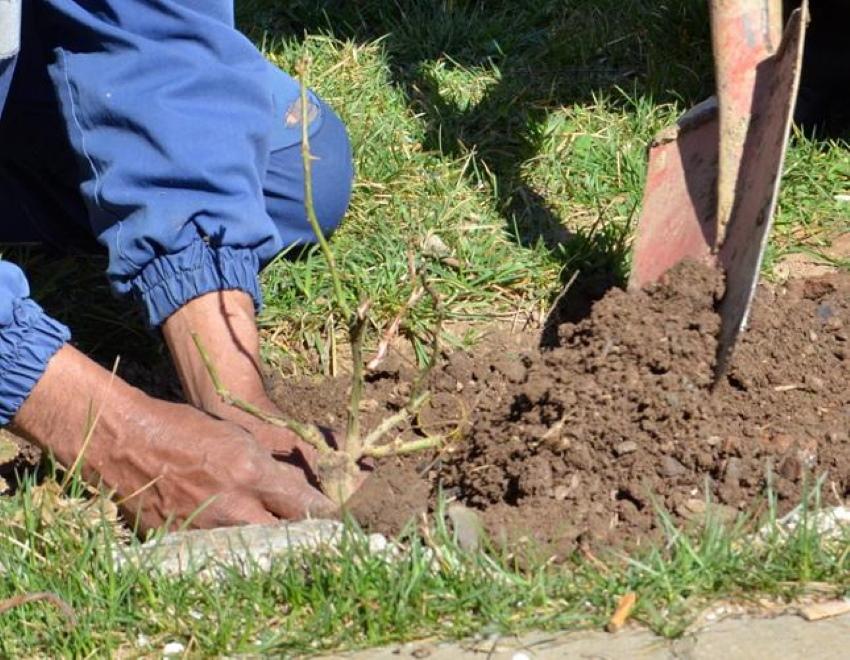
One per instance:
(581, 442)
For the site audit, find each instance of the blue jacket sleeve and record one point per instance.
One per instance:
(28, 339)
(170, 112)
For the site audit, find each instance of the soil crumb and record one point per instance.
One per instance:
(581, 443)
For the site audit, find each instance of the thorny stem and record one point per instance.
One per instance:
(307, 432)
(387, 425)
(399, 447)
(353, 444)
(307, 159)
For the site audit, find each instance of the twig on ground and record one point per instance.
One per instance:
(622, 612)
(22, 599)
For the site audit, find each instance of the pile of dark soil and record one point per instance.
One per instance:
(581, 442)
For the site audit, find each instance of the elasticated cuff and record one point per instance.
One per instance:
(169, 282)
(26, 346)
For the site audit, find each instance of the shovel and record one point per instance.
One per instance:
(713, 178)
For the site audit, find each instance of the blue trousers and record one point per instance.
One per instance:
(158, 132)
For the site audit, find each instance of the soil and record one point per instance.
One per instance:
(581, 441)
(576, 435)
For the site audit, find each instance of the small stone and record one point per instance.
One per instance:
(369, 405)
(696, 509)
(173, 648)
(813, 336)
(825, 312)
(561, 493)
(627, 447)
(732, 473)
(434, 246)
(467, 526)
(837, 436)
(713, 440)
(670, 467)
(791, 468)
(814, 383)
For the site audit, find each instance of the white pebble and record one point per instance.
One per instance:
(520, 656)
(173, 648)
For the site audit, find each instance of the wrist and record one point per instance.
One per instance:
(225, 324)
(73, 394)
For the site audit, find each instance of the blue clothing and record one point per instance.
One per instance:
(160, 132)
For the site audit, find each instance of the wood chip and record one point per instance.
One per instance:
(622, 613)
(818, 611)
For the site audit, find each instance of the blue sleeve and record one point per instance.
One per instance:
(170, 113)
(28, 339)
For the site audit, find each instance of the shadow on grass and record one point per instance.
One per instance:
(547, 55)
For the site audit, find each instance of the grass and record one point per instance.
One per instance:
(506, 130)
(514, 132)
(502, 128)
(313, 602)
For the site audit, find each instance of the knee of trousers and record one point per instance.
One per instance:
(332, 178)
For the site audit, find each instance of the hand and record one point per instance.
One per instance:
(226, 324)
(173, 462)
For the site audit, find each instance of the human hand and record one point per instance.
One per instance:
(167, 463)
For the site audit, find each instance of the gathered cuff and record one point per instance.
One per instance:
(26, 346)
(170, 281)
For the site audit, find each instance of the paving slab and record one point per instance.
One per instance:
(214, 552)
(786, 636)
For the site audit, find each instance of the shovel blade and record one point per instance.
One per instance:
(678, 212)
(680, 218)
(757, 189)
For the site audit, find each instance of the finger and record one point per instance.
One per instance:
(290, 496)
(233, 512)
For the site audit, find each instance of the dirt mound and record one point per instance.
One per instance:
(580, 443)
(621, 417)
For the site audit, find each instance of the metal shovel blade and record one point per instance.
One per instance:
(679, 209)
(742, 251)
(730, 148)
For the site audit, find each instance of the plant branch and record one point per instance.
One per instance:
(307, 432)
(353, 442)
(399, 447)
(388, 424)
(416, 294)
(307, 159)
(22, 599)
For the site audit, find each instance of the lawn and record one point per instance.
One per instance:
(515, 133)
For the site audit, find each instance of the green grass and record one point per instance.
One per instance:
(503, 128)
(314, 602)
(516, 132)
